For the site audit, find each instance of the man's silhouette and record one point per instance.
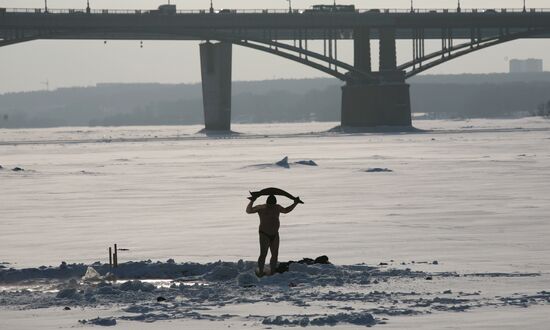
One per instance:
(269, 229)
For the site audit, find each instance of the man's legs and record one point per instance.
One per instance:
(264, 247)
(274, 247)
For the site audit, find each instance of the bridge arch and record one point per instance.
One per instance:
(446, 54)
(334, 67)
(411, 68)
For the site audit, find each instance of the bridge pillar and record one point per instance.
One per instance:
(383, 100)
(361, 48)
(382, 103)
(388, 52)
(216, 85)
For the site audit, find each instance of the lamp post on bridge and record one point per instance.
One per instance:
(458, 9)
(412, 6)
(524, 7)
(211, 7)
(46, 6)
(289, 6)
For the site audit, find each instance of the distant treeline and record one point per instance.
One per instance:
(498, 95)
(479, 100)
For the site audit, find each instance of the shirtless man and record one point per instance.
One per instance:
(269, 229)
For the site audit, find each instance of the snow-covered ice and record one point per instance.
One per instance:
(460, 225)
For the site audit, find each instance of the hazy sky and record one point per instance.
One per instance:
(80, 63)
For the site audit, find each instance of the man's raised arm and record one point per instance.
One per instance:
(289, 208)
(251, 209)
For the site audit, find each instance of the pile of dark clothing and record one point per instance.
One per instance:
(283, 266)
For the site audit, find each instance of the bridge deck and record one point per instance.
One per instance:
(199, 25)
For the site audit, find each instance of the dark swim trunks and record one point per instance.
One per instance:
(270, 237)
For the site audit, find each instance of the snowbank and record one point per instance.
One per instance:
(360, 295)
(129, 270)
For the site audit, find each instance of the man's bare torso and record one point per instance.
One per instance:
(269, 218)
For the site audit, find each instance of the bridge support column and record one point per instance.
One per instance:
(388, 52)
(361, 49)
(384, 103)
(216, 85)
(383, 100)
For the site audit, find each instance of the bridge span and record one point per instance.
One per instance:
(370, 96)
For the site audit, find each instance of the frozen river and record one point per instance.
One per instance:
(474, 195)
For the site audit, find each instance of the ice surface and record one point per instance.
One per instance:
(447, 199)
(475, 199)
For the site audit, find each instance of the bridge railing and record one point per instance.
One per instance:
(476, 10)
(269, 11)
(454, 10)
(145, 11)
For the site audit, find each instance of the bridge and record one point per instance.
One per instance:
(370, 96)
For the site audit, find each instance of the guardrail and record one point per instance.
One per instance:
(141, 11)
(268, 11)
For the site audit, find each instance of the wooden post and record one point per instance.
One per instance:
(110, 259)
(115, 256)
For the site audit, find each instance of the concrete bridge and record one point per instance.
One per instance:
(370, 96)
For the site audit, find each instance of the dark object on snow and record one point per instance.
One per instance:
(67, 308)
(106, 322)
(161, 299)
(321, 260)
(383, 264)
(377, 170)
(17, 169)
(307, 162)
(307, 261)
(435, 262)
(283, 163)
(273, 191)
(284, 266)
(1, 168)
(429, 278)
